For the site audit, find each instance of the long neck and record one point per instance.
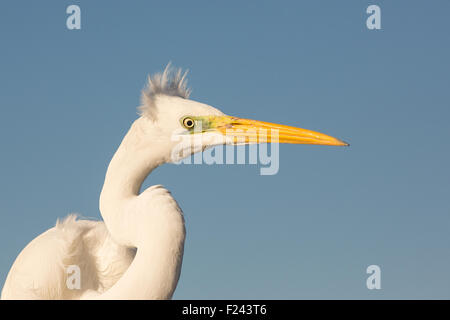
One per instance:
(131, 164)
(132, 221)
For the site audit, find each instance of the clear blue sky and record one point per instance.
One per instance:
(68, 97)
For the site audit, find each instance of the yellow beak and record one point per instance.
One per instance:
(246, 131)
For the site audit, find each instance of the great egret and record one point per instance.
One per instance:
(137, 252)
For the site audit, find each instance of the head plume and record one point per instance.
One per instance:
(171, 82)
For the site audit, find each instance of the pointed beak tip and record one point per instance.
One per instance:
(248, 129)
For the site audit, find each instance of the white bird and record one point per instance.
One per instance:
(137, 251)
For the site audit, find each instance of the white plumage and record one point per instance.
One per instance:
(151, 221)
(137, 251)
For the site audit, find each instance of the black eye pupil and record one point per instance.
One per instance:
(189, 123)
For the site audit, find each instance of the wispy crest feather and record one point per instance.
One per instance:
(171, 82)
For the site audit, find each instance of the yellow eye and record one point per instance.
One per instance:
(188, 123)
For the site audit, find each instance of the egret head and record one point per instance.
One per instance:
(185, 126)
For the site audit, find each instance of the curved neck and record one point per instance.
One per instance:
(130, 165)
(133, 220)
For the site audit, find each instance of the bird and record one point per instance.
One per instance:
(136, 252)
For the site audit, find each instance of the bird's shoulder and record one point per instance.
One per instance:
(158, 197)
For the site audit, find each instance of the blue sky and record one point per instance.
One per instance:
(68, 97)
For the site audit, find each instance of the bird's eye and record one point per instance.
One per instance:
(188, 123)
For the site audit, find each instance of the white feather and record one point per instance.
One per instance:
(170, 82)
